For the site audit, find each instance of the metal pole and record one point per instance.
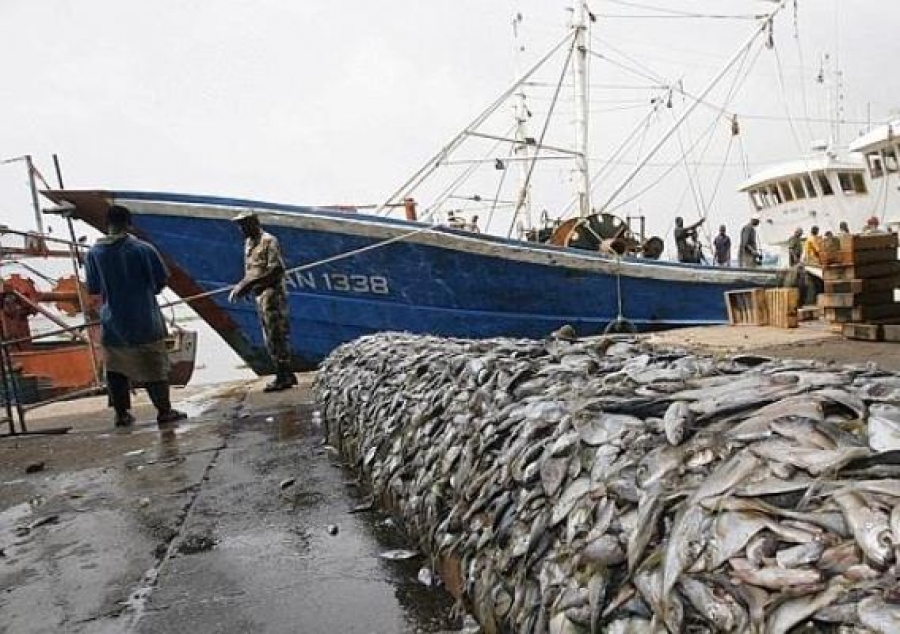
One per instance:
(579, 72)
(76, 265)
(34, 195)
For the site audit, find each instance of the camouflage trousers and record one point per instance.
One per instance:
(273, 315)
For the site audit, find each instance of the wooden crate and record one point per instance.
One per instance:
(862, 332)
(781, 307)
(869, 241)
(861, 271)
(862, 286)
(848, 300)
(747, 307)
(871, 256)
(863, 314)
(891, 332)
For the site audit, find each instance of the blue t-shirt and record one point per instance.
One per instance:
(128, 274)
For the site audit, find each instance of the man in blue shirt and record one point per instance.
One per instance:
(128, 273)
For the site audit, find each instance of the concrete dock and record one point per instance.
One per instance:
(222, 524)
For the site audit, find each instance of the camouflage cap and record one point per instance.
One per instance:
(246, 216)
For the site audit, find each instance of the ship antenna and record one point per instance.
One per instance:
(579, 71)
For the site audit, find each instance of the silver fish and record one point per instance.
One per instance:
(677, 419)
(870, 527)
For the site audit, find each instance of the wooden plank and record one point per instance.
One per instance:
(808, 313)
(862, 313)
(862, 286)
(861, 271)
(863, 332)
(867, 241)
(891, 332)
(848, 300)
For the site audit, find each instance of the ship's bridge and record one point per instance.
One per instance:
(822, 190)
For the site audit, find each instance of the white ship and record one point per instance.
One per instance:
(879, 149)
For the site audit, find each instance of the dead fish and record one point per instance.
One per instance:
(776, 578)
(724, 615)
(687, 539)
(879, 616)
(649, 509)
(569, 498)
(801, 555)
(731, 532)
(398, 554)
(553, 474)
(870, 527)
(794, 611)
(677, 419)
(884, 427)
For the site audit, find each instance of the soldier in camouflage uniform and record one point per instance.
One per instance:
(264, 272)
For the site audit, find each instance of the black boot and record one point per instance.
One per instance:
(284, 379)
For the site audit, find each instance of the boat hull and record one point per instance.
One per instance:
(406, 276)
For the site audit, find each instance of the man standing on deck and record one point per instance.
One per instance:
(722, 247)
(264, 273)
(686, 241)
(127, 274)
(812, 248)
(749, 255)
(795, 247)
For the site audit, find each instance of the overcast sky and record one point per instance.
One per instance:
(323, 101)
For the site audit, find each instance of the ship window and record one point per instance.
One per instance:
(890, 160)
(875, 164)
(859, 184)
(786, 193)
(756, 199)
(825, 184)
(797, 186)
(773, 190)
(809, 186)
(845, 179)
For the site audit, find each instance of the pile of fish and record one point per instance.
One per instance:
(609, 486)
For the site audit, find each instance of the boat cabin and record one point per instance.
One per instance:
(822, 190)
(880, 150)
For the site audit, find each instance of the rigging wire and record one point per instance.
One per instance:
(676, 13)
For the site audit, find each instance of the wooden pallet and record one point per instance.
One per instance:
(781, 307)
(891, 332)
(747, 307)
(842, 272)
(862, 286)
(863, 314)
(869, 241)
(862, 332)
(848, 300)
(871, 256)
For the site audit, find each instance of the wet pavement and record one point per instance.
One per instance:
(237, 521)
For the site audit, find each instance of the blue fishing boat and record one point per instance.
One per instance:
(353, 272)
(376, 274)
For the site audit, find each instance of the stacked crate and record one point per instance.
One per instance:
(860, 280)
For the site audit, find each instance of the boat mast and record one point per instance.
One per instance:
(522, 150)
(580, 174)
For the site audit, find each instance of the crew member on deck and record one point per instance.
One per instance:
(722, 246)
(264, 277)
(749, 254)
(795, 247)
(812, 248)
(686, 241)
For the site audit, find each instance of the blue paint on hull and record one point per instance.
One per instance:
(427, 288)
